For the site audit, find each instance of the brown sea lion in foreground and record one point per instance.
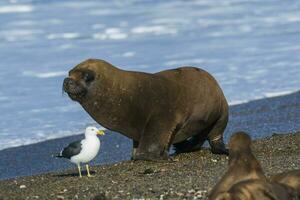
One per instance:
(290, 179)
(242, 165)
(245, 180)
(183, 106)
(256, 189)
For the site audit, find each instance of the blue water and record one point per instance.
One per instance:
(251, 46)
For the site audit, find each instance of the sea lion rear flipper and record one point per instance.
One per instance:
(215, 136)
(190, 145)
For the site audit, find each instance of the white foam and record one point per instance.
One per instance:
(168, 21)
(128, 54)
(66, 46)
(53, 36)
(54, 21)
(23, 23)
(20, 34)
(266, 95)
(156, 30)
(45, 74)
(279, 93)
(184, 62)
(237, 102)
(3, 98)
(98, 26)
(111, 34)
(106, 12)
(16, 9)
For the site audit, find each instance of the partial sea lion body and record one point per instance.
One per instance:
(290, 179)
(245, 180)
(154, 110)
(242, 165)
(255, 189)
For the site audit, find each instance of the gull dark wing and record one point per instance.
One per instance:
(73, 149)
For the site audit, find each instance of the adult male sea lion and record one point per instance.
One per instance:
(182, 106)
(242, 165)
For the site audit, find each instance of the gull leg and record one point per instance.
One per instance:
(88, 170)
(79, 170)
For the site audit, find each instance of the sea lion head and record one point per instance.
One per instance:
(84, 79)
(239, 141)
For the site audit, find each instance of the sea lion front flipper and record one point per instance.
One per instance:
(153, 143)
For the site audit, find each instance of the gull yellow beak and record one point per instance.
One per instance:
(100, 132)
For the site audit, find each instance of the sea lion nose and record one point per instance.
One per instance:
(68, 82)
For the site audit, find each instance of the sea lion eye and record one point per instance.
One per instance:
(88, 77)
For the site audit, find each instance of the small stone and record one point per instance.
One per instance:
(191, 191)
(163, 170)
(214, 160)
(161, 197)
(22, 186)
(180, 194)
(60, 197)
(148, 171)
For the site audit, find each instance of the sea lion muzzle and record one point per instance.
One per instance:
(74, 88)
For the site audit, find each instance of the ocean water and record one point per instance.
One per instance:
(251, 46)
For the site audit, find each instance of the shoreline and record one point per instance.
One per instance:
(261, 118)
(191, 176)
(234, 103)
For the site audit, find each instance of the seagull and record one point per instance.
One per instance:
(83, 151)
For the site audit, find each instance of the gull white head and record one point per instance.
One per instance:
(93, 131)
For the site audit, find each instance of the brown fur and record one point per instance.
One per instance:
(290, 179)
(245, 180)
(242, 165)
(155, 110)
(255, 189)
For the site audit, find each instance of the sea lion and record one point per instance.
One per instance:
(242, 165)
(256, 189)
(182, 106)
(290, 179)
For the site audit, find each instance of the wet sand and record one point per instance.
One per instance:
(189, 177)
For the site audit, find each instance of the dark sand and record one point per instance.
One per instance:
(261, 118)
(190, 177)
